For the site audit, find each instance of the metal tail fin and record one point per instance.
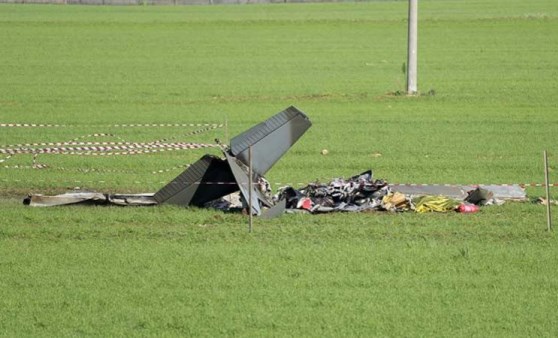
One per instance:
(270, 139)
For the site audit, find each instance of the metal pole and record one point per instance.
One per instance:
(250, 216)
(412, 48)
(227, 141)
(547, 188)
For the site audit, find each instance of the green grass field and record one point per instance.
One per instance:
(488, 77)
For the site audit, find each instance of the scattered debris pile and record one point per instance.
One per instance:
(364, 193)
(358, 193)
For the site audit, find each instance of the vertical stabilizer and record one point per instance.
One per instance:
(270, 139)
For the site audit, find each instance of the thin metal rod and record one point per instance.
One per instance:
(227, 141)
(250, 212)
(547, 188)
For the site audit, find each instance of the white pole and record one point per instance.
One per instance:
(250, 213)
(547, 184)
(412, 48)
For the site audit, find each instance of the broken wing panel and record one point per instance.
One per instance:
(456, 192)
(270, 139)
(65, 199)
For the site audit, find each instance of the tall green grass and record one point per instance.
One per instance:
(172, 271)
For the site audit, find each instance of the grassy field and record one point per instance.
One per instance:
(487, 75)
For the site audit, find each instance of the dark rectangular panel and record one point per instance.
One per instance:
(207, 179)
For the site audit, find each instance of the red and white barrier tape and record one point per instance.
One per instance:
(96, 135)
(93, 170)
(461, 185)
(91, 148)
(149, 125)
(28, 146)
(124, 125)
(77, 146)
(229, 183)
(195, 132)
(30, 125)
(76, 141)
(105, 148)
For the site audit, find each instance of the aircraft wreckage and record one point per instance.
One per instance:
(212, 177)
(212, 180)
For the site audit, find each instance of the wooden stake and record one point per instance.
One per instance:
(547, 188)
(250, 212)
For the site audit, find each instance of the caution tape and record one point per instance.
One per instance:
(34, 166)
(87, 148)
(93, 170)
(125, 125)
(195, 132)
(62, 144)
(461, 185)
(78, 146)
(30, 125)
(104, 148)
(76, 181)
(226, 183)
(75, 141)
(96, 135)
(150, 125)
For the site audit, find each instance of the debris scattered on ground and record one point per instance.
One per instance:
(426, 204)
(544, 201)
(364, 193)
(224, 183)
(358, 193)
